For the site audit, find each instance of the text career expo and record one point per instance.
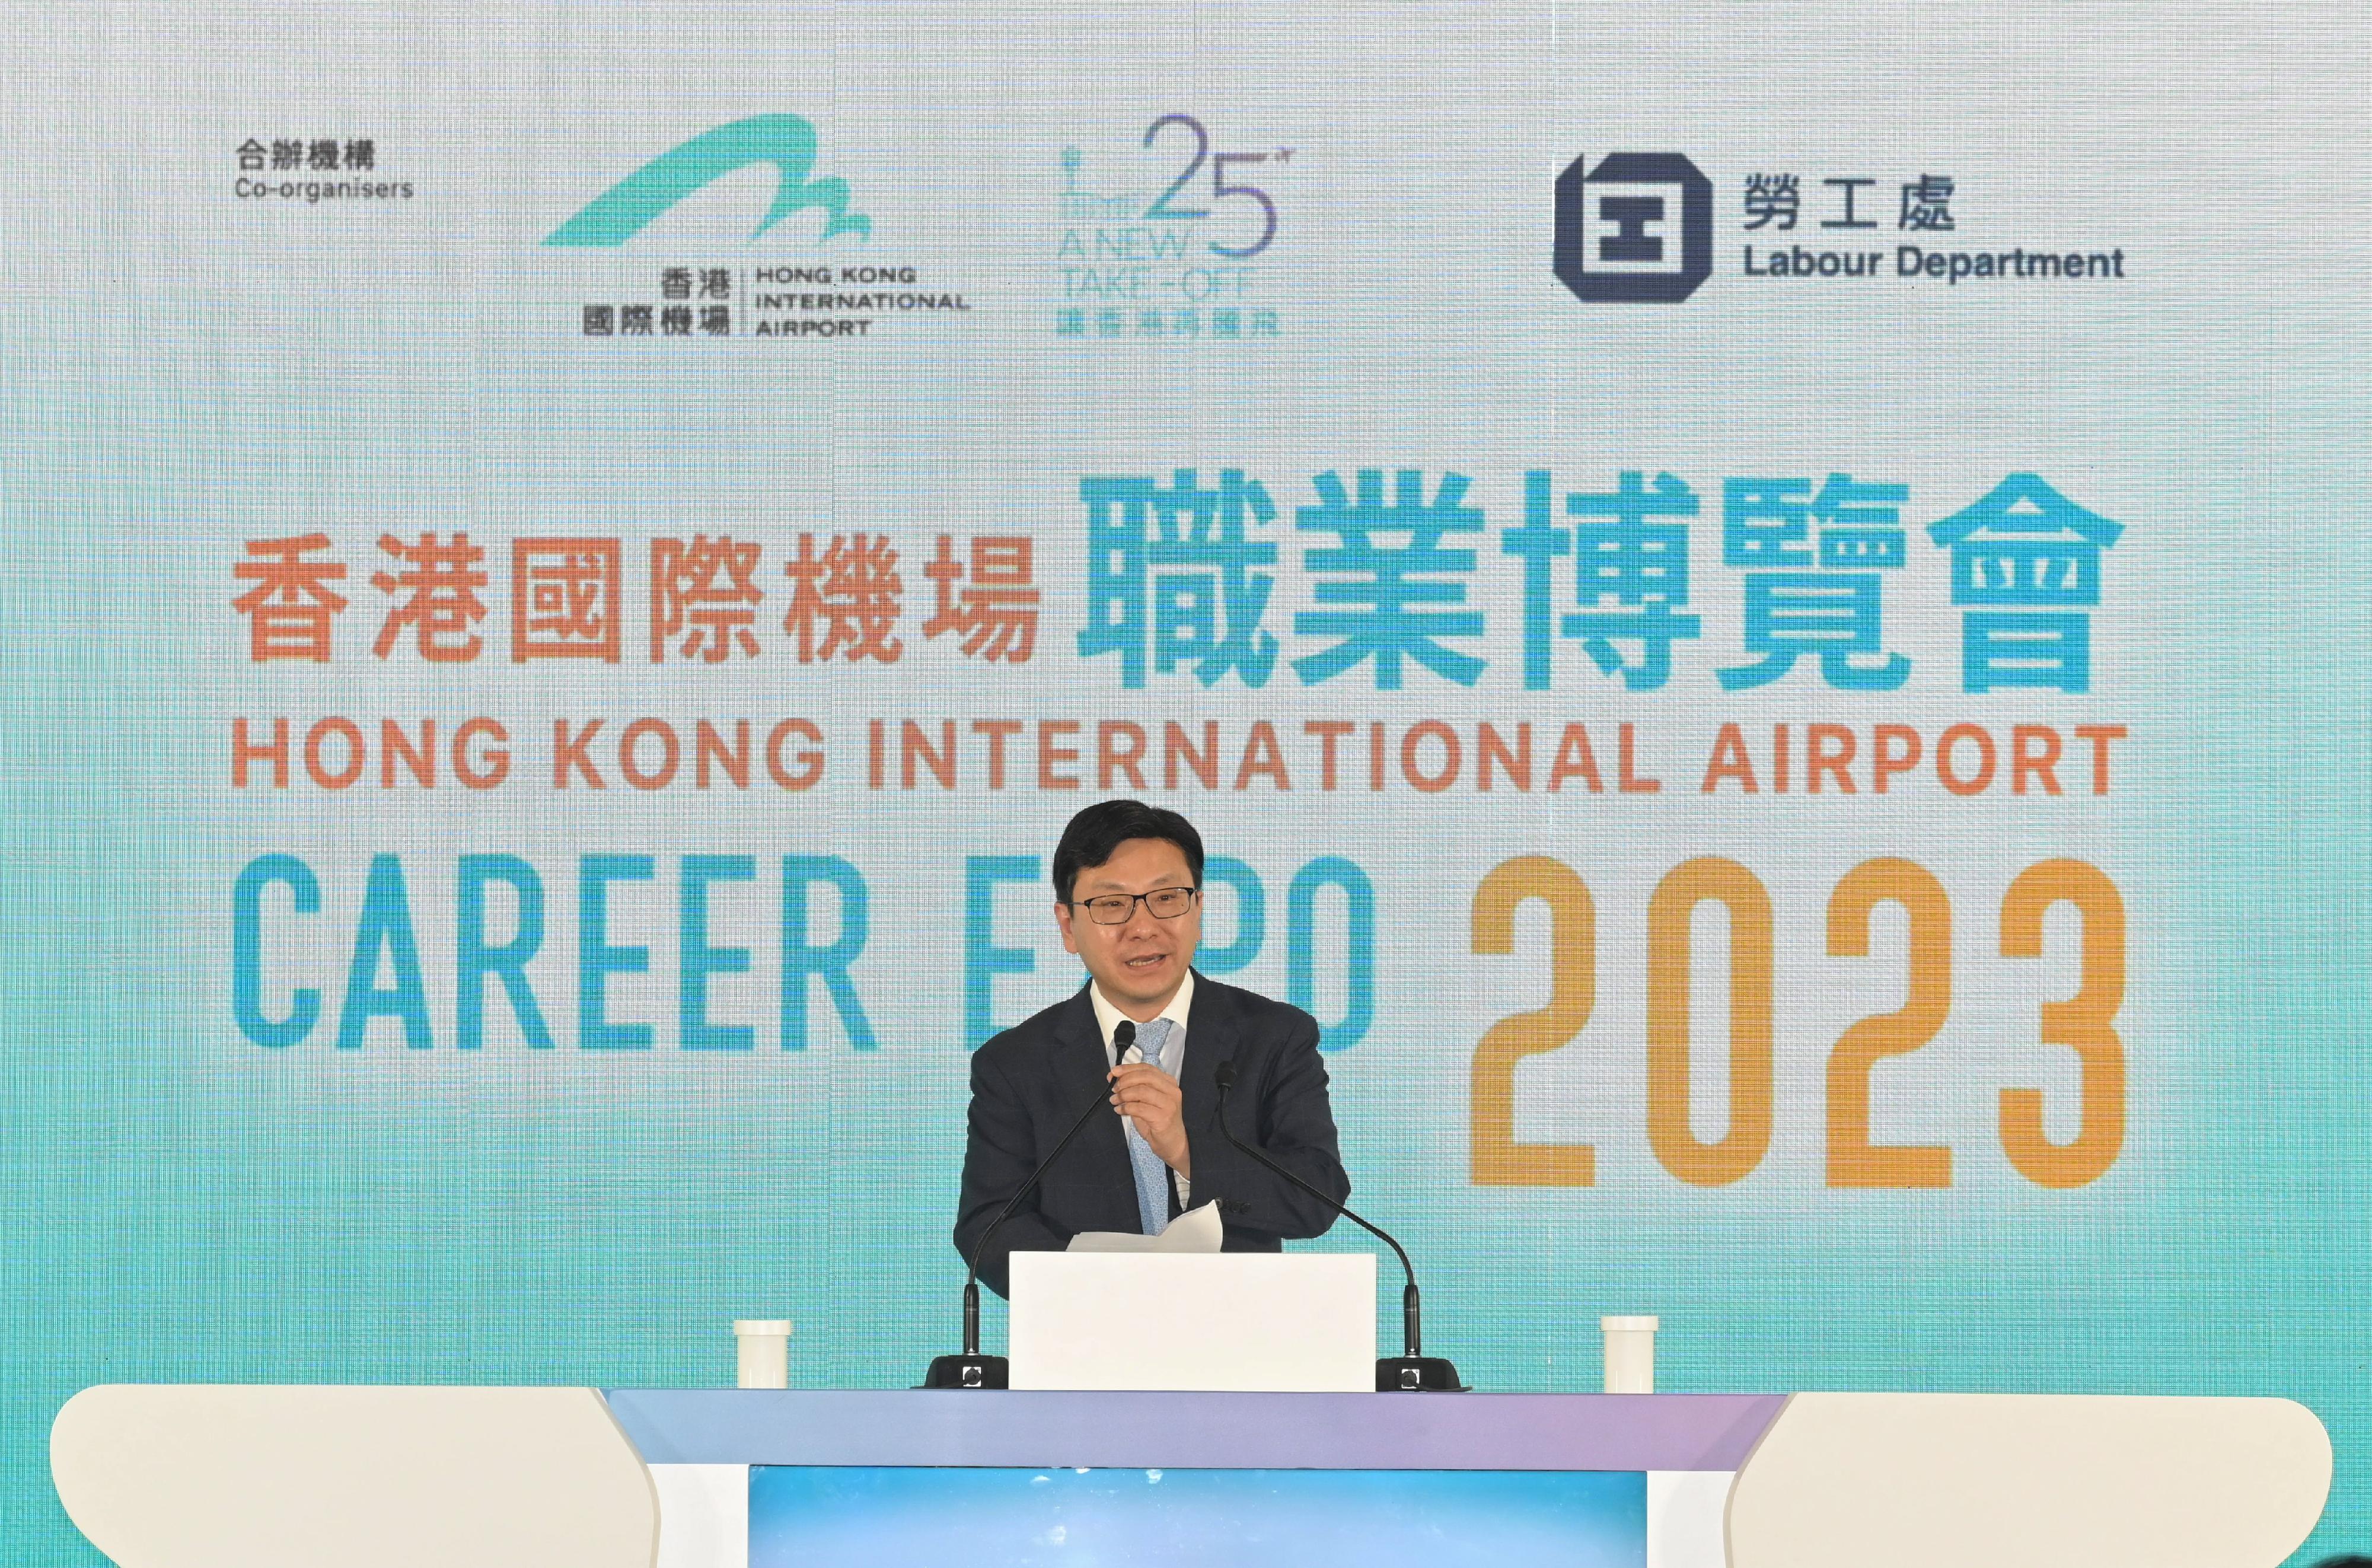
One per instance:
(561, 954)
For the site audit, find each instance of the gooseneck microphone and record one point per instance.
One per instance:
(1414, 1372)
(971, 1369)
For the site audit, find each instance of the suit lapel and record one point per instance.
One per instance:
(1101, 1151)
(1209, 1039)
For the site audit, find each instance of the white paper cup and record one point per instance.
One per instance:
(1630, 1354)
(765, 1347)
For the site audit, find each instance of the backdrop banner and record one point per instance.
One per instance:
(1762, 612)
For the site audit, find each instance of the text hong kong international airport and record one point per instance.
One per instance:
(1424, 756)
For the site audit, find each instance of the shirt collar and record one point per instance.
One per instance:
(1108, 1016)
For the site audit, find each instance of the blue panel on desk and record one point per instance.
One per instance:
(807, 1516)
(1445, 1432)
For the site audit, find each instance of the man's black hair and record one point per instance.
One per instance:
(1095, 834)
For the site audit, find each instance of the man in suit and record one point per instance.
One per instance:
(1128, 896)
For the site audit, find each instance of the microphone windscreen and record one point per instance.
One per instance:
(1224, 1073)
(1123, 1040)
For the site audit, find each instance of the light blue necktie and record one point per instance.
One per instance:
(1152, 1176)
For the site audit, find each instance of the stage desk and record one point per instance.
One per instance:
(272, 1477)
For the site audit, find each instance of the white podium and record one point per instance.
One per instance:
(1235, 1322)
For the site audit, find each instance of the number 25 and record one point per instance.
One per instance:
(1220, 189)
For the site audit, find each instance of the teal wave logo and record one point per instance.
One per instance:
(785, 141)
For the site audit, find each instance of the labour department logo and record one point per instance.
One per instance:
(1639, 227)
(784, 141)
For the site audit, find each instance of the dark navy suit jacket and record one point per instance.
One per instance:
(1031, 1082)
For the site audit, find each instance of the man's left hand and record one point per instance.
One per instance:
(1150, 1098)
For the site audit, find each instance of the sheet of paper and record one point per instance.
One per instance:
(1196, 1230)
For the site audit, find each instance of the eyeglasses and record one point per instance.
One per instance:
(1119, 909)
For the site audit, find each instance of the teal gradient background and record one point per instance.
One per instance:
(181, 372)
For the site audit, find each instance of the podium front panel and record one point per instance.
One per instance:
(754, 1477)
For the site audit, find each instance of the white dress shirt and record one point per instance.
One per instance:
(1173, 1053)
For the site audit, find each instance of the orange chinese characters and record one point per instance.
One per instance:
(997, 612)
(566, 598)
(441, 582)
(853, 590)
(705, 589)
(291, 608)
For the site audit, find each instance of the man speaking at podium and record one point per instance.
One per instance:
(1128, 896)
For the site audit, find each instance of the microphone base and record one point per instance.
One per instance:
(972, 1372)
(1417, 1375)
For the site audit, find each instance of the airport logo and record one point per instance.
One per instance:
(1637, 228)
(718, 289)
(785, 141)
